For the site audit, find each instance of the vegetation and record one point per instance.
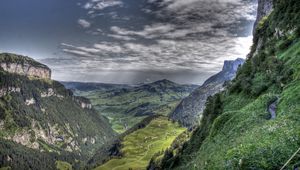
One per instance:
(13, 58)
(139, 146)
(53, 123)
(15, 156)
(125, 107)
(237, 131)
(60, 165)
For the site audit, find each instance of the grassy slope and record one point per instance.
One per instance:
(139, 146)
(122, 108)
(243, 136)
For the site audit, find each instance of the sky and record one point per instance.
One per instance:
(128, 41)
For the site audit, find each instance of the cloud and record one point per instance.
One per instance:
(84, 23)
(121, 37)
(164, 54)
(101, 4)
(162, 39)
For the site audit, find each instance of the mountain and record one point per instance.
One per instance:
(254, 122)
(38, 115)
(126, 105)
(93, 86)
(188, 112)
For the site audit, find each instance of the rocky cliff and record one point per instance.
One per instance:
(188, 112)
(265, 7)
(22, 65)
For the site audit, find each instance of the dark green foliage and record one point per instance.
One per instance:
(19, 157)
(258, 74)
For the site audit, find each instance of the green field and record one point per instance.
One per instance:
(139, 147)
(61, 165)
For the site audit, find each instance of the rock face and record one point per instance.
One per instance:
(188, 112)
(264, 8)
(24, 66)
(83, 102)
(5, 90)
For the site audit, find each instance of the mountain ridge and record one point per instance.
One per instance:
(40, 114)
(188, 112)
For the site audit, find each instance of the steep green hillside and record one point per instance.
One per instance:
(140, 146)
(125, 106)
(42, 115)
(254, 124)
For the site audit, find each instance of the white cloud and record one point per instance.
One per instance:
(102, 4)
(173, 55)
(84, 23)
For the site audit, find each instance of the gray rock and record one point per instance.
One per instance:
(189, 111)
(265, 7)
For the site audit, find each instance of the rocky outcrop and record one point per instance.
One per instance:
(24, 66)
(51, 93)
(30, 101)
(188, 112)
(6, 90)
(83, 102)
(228, 72)
(265, 7)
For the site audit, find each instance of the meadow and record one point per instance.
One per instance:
(139, 147)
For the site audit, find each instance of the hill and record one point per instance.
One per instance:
(38, 115)
(254, 123)
(126, 105)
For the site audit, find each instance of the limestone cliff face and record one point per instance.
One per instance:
(24, 66)
(189, 111)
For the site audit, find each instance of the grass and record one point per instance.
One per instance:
(6, 168)
(243, 136)
(61, 165)
(139, 147)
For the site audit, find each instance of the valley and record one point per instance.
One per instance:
(126, 105)
(246, 116)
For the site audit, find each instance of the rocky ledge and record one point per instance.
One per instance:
(22, 65)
